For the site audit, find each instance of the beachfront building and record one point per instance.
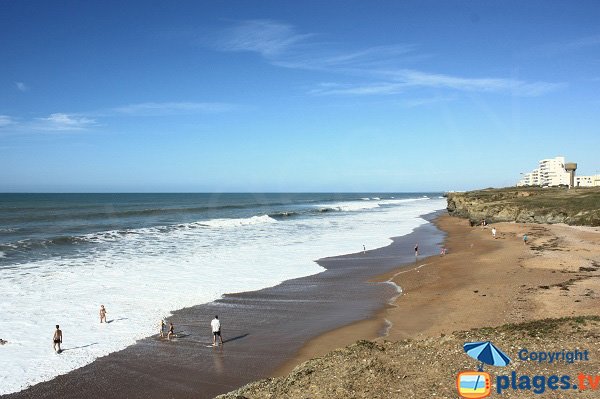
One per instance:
(530, 179)
(550, 172)
(587, 181)
(553, 173)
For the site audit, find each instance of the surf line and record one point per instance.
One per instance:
(388, 324)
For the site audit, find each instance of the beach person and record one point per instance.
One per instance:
(494, 232)
(443, 251)
(162, 327)
(171, 331)
(364, 249)
(215, 325)
(57, 338)
(102, 314)
(525, 238)
(417, 249)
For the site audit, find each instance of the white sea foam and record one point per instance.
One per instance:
(349, 206)
(142, 275)
(2, 254)
(238, 222)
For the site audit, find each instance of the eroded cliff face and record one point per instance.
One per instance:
(535, 205)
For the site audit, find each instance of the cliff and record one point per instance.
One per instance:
(579, 206)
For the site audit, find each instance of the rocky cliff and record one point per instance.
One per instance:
(579, 206)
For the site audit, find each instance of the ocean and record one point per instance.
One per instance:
(144, 256)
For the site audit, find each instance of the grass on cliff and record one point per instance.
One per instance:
(580, 204)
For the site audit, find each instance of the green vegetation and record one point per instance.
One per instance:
(579, 206)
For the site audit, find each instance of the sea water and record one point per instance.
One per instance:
(145, 255)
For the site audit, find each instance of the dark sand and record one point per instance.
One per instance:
(261, 329)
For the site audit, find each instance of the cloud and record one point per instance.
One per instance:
(383, 69)
(401, 80)
(171, 108)
(6, 120)
(279, 44)
(57, 122)
(268, 38)
(514, 86)
(21, 86)
(381, 88)
(62, 122)
(68, 122)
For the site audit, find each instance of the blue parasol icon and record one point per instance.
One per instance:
(487, 353)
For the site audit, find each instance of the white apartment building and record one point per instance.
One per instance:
(587, 181)
(550, 172)
(530, 179)
(553, 173)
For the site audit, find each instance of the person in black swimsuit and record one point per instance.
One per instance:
(57, 339)
(171, 331)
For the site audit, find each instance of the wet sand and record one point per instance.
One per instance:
(261, 329)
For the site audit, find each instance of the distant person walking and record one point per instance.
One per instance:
(416, 250)
(57, 339)
(171, 331)
(102, 314)
(162, 327)
(525, 238)
(494, 232)
(215, 325)
(364, 249)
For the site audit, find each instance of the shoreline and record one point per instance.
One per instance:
(508, 282)
(262, 329)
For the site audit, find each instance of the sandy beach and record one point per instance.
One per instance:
(482, 282)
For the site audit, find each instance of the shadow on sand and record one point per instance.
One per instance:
(78, 347)
(236, 338)
(113, 320)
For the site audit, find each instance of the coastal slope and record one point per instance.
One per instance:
(427, 368)
(579, 206)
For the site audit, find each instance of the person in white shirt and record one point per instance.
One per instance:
(215, 324)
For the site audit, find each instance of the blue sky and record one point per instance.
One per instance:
(294, 96)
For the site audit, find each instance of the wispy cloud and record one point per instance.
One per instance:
(21, 86)
(268, 38)
(72, 122)
(57, 122)
(171, 108)
(383, 69)
(401, 80)
(514, 86)
(6, 120)
(62, 122)
(380, 88)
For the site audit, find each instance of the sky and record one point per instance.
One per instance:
(294, 96)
